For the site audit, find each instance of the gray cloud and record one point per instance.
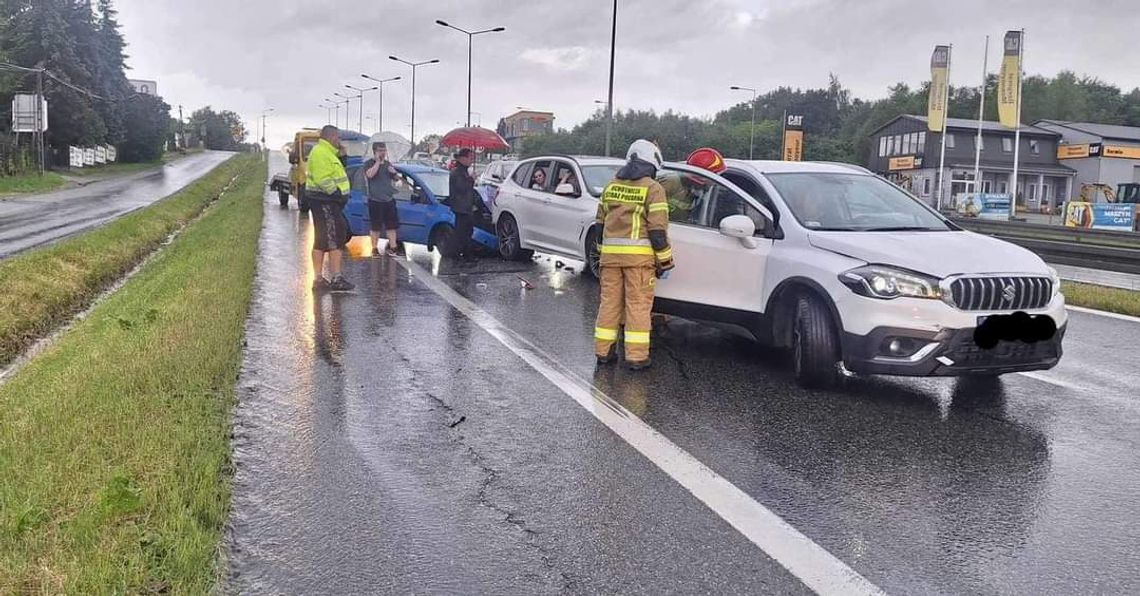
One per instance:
(672, 54)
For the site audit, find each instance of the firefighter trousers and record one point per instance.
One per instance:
(627, 297)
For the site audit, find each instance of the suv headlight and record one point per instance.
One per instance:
(887, 283)
(1056, 282)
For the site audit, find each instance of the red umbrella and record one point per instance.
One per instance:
(477, 138)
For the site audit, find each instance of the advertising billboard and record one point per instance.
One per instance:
(984, 205)
(1100, 216)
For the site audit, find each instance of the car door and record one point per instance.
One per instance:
(356, 210)
(566, 209)
(534, 202)
(712, 268)
(412, 208)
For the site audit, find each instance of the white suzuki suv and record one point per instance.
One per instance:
(845, 269)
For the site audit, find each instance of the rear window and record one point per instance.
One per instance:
(522, 175)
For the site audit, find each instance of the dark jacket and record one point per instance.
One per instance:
(462, 193)
(636, 169)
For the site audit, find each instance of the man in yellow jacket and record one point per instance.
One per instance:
(635, 252)
(327, 191)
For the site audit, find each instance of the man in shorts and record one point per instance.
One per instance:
(327, 190)
(379, 175)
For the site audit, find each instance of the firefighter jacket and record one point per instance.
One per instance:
(634, 216)
(326, 175)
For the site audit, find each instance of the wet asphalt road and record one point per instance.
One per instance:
(385, 443)
(28, 222)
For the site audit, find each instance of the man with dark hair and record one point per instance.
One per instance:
(462, 199)
(379, 175)
(327, 190)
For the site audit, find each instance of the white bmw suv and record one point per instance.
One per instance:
(846, 270)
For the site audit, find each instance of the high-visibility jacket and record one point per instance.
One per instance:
(629, 211)
(325, 172)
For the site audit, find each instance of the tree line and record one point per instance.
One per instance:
(90, 101)
(837, 126)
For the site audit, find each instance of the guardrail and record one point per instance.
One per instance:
(1094, 249)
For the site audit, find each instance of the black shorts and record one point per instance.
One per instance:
(383, 216)
(330, 228)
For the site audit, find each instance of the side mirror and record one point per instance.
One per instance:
(740, 227)
(293, 158)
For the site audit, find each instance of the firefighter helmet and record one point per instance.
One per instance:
(707, 158)
(645, 151)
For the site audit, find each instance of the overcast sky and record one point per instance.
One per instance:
(247, 55)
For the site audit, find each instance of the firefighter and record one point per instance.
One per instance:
(684, 191)
(634, 219)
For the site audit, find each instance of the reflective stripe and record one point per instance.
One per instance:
(659, 207)
(636, 337)
(605, 334)
(635, 231)
(626, 250)
(627, 241)
(664, 255)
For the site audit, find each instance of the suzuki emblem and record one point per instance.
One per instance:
(1008, 293)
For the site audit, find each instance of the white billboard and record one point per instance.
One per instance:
(112, 153)
(100, 154)
(76, 160)
(25, 116)
(144, 87)
(88, 156)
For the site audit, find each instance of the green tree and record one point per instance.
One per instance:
(147, 126)
(222, 131)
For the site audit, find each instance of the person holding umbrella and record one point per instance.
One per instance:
(462, 199)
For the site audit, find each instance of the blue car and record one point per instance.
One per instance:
(421, 202)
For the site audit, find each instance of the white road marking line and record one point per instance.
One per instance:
(1104, 313)
(1044, 379)
(807, 561)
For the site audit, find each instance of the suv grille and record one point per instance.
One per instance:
(1001, 293)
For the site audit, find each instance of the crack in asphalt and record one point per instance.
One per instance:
(490, 475)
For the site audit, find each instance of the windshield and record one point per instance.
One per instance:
(597, 177)
(853, 202)
(439, 183)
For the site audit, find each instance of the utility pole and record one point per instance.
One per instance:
(610, 99)
(181, 129)
(39, 138)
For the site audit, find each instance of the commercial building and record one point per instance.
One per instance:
(1100, 153)
(905, 152)
(525, 123)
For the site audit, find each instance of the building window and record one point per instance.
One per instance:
(949, 140)
(906, 144)
(890, 145)
(1007, 145)
(898, 144)
(882, 146)
(1045, 193)
(1003, 187)
(1034, 147)
(987, 185)
(926, 187)
(1032, 192)
(922, 142)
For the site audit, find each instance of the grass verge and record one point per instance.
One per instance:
(27, 183)
(114, 455)
(41, 289)
(1125, 302)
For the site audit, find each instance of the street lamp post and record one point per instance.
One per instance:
(414, 66)
(610, 98)
(361, 92)
(380, 85)
(752, 134)
(336, 106)
(347, 105)
(328, 113)
(470, 36)
(263, 114)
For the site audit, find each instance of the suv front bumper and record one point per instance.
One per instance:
(948, 353)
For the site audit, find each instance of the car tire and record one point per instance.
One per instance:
(593, 255)
(440, 240)
(510, 240)
(815, 345)
(283, 198)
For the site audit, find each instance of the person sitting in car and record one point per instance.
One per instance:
(538, 180)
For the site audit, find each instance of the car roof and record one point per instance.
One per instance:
(581, 160)
(415, 168)
(798, 167)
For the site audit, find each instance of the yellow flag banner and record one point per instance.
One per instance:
(939, 87)
(794, 137)
(1009, 82)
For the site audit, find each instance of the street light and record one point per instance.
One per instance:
(328, 113)
(263, 114)
(361, 96)
(751, 135)
(414, 66)
(336, 106)
(470, 36)
(380, 84)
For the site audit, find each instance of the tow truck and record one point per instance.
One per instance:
(293, 183)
